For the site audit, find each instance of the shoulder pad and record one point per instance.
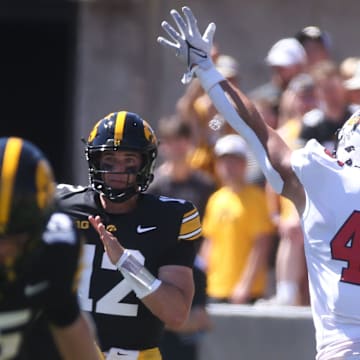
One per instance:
(64, 189)
(169, 199)
(313, 117)
(59, 229)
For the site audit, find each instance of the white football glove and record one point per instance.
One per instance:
(192, 48)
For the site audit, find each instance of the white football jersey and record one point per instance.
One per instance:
(331, 225)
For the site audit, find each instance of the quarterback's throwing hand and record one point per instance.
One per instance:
(110, 242)
(189, 45)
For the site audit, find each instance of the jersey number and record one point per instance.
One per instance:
(346, 246)
(110, 303)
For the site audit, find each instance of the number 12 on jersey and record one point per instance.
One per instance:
(110, 303)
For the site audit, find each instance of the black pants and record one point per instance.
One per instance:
(175, 346)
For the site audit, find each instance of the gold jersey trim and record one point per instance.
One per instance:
(191, 226)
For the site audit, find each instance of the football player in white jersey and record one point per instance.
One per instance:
(325, 189)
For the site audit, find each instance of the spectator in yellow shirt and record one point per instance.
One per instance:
(237, 228)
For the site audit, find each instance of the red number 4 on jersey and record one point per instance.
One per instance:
(346, 246)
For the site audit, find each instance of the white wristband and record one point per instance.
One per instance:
(208, 77)
(138, 277)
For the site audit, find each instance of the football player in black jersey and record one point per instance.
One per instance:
(39, 257)
(144, 278)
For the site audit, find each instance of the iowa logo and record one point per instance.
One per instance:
(93, 132)
(111, 228)
(149, 133)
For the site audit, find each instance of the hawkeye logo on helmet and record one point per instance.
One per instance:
(149, 134)
(93, 132)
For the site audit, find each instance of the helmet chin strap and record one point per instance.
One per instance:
(119, 196)
(116, 195)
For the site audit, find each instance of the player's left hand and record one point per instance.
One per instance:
(111, 244)
(189, 45)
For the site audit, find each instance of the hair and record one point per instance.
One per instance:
(174, 126)
(314, 33)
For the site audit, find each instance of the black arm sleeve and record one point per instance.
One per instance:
(62, 306)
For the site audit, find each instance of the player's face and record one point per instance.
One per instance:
(122, 167)
(11, 246)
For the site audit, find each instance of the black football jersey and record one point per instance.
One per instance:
(165, 231)
(44, 284)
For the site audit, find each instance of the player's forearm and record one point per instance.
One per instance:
(274, 148)
(171, 302)
(168, 296)
(240, 113)
(77, 341)
(270, 150)
(198, 320)
(170, 305)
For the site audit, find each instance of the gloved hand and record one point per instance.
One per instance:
(189, 45)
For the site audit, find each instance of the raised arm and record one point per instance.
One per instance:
(270, 150)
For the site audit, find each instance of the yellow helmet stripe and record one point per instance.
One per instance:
(8, 176)
(119, 127)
